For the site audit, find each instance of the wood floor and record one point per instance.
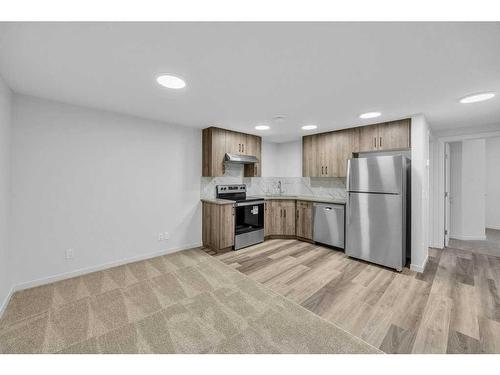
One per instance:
(453, 307)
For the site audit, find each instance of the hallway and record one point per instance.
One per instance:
(491, 246)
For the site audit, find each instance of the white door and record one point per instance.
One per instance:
(447, 215)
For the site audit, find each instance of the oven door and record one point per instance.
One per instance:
(249, 217)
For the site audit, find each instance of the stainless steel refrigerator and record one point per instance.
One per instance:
(378, 205)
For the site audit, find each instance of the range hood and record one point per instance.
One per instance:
(240, 159)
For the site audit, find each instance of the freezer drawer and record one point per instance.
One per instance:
(375, 228)
(329, 223)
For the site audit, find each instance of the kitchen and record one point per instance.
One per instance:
(240, 187)
(311, 207)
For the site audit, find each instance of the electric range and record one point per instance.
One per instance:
(248, 212)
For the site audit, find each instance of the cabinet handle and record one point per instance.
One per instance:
(326, 170)
(375, 142)
(297, 214)
(239, 147)
(380, 141)
(284, 213)
(321, 169)
(242, 147)
(281, 212)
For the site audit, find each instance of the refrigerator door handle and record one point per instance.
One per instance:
(348, 208)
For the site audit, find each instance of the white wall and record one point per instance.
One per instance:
(473, 189)
(282, 159)
(455, 189)
(419, 192)
(5, 192)
(436, 190)
(467, 189)
(269, 157)
(493, 183)
(100, 183)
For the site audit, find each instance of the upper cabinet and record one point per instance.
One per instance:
(216, 142)
(326, 154)
(253, 146)
(386, 136)
(213, 151)
(394, 135)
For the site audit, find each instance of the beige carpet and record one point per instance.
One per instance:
(187, 302)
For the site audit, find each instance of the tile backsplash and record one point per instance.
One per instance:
(305, 186)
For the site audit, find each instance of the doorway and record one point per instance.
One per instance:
(472, 195)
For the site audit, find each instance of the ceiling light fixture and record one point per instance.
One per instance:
(262, 127)
(477, 98)
(171, 82)
(370, 115)
(309, 127)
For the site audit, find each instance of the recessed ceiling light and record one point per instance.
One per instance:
(309, 127)
(279, 118)
(171, 82)
(262, 127)
(370, 115)
(477, 97)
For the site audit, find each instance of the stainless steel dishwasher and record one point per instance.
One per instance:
(329, 223)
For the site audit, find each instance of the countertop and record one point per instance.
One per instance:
(217, 201)
(282, 197)
(306, 198)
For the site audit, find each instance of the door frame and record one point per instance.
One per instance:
(438, 216)
(447, 183)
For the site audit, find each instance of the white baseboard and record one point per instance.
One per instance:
(419, 268)
(496, 227)
(5, 302)
(468, 238)
(84, 271)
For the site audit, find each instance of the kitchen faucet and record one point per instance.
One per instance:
(280, 191)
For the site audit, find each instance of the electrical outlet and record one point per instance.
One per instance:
(166, 236)
(70, 254)
(160, 237)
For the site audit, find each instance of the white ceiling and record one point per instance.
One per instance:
(242, 74)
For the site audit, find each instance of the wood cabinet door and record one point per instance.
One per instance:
(328, 161)
(217, 225)
(234, 142)
(347, 143)
(253, 146)
(213, 152)
(250, 144)
(274, 217)
(206, 218)
(287, 218)
(218, 139)
(394, 135)
(303, 226)
(226, 225)
(268, 218)
(310, 156)
(368, 138)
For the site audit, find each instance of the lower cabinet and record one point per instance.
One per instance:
(217, 225)
(304, 220)
(279, 218)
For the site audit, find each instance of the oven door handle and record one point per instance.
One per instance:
(252, 203)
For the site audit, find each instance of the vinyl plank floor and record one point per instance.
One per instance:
(452, 307)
